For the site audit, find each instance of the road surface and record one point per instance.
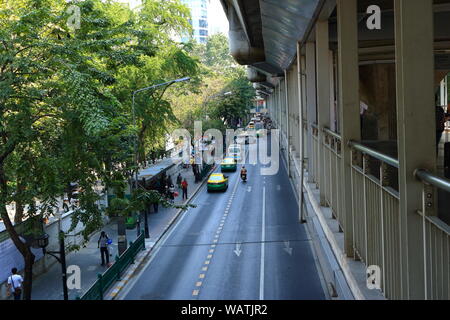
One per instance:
(245, 244)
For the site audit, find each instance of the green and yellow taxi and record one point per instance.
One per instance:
(229, 165)
(217, 182)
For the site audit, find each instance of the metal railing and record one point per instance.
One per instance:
(315, 155)
(332, 154)
(375, 212)
(105, 280)
(436, 239)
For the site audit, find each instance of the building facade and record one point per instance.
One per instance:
(199, 19)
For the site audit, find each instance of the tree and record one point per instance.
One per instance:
(236, 106)
(220, 74)
(63, 118)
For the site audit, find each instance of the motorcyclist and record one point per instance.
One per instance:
(244, 173)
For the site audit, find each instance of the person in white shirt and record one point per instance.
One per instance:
(363, 108)
(15, 284)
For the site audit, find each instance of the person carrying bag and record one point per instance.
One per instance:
(15, 284)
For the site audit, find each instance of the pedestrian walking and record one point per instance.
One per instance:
(441, 119)
(66, 205)
(172, 193)
(184, 186)
(103, 245)
(169, 181)
(155, 202)
(15, 284)
(166, 192)
(179, 180)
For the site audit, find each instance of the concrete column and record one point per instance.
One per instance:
(293, 110)
(301, 107)
(288, 140)
(348, 66)
(303, 87)
(416, 131)
(333, 115)
(311, 102)
(280, 115)
(304, 103)
(277, 105)
(283, 104)
(323, 97)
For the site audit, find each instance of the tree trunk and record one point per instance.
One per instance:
(18, 217)
(28, 274)
(21, 246)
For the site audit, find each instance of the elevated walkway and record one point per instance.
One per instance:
(346, 277)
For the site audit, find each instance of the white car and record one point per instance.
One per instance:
(246, 138)
(235, 152)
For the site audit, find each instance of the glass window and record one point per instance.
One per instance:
(203, 23)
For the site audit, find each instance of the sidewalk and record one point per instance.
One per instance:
(48, 286)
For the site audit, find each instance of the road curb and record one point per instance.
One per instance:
(140, 258)
(343, 270)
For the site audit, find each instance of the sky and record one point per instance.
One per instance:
(218, 22)
(217, 19)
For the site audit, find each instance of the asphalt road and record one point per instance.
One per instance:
(245, 244)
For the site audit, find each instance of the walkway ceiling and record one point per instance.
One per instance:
(273, 26)
(378, 45)
(264, 33)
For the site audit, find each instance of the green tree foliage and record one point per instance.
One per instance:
(65, 100)
(220, 75)
(234, 107)
(217, 56)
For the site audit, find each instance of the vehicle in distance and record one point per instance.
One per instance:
(228, 165)
(246, 138)
(234, 151)
(217, 182)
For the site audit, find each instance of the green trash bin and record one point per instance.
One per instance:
(131, 222)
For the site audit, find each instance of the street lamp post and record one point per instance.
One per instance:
(135, 184)
(60, 256)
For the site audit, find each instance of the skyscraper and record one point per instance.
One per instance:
(199, 13)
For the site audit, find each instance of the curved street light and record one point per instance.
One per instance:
(135, 184)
